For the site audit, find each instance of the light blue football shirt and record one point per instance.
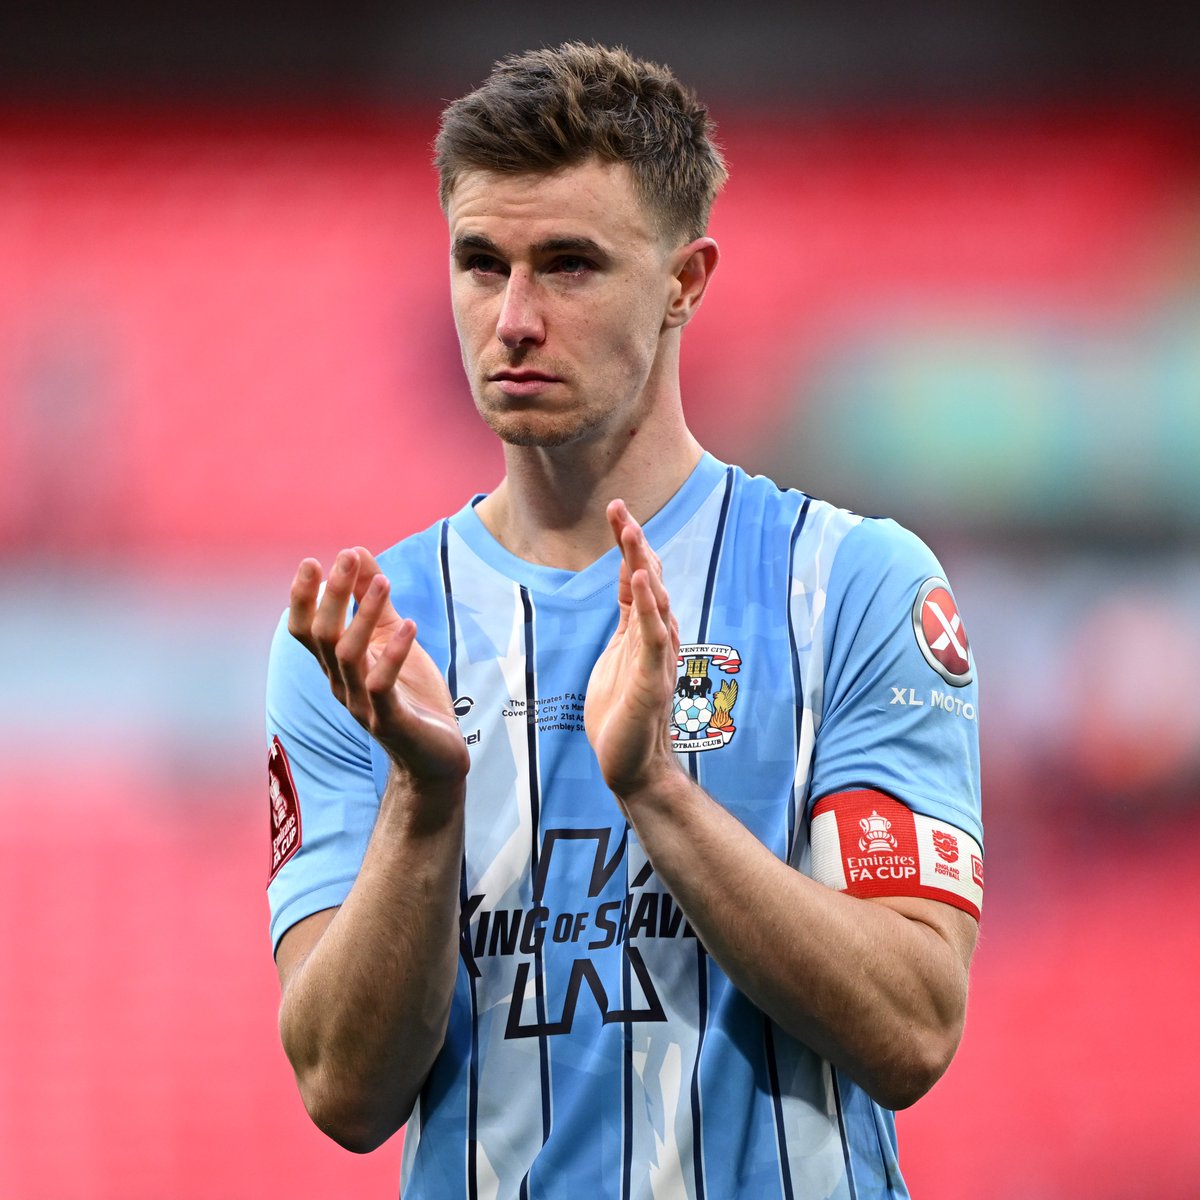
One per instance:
(594, 1047)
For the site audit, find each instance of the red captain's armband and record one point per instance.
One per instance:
(867, 844)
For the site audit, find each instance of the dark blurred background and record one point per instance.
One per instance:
(960, 285)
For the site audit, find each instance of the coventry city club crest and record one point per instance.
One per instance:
(701, 715)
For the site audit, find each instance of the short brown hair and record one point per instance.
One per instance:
(553, 108)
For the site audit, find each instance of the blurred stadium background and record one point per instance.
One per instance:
(960, 285)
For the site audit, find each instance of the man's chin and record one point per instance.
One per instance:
(537, 430)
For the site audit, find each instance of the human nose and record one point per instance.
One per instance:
(519, 320)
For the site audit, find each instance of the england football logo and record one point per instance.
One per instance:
(701, 715)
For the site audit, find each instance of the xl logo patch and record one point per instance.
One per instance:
(940, 632)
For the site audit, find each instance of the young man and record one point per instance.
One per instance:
(701, 912)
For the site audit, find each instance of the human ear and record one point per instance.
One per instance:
(694, 265)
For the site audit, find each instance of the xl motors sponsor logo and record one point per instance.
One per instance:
(934, 698)
(940, 633)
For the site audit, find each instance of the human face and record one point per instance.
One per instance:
(560, 285)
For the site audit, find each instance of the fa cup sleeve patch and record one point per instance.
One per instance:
(285, 808)
(867, 844)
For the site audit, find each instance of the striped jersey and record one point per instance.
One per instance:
(594, 1047)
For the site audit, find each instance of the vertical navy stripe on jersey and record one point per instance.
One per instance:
(472, 1146)
(711, 582)
(702, 1029)
(701, 955)
(531, 726)
(451, 631)
(789, 850)
(626, 1051)
(785, 1166)
(531, 739)
(797, 681)
(473, 1074)
(841, 1119)
(883, 1158)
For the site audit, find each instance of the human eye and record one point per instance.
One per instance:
(572, 264)
(483, 264)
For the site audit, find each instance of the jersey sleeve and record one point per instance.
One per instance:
(900, 708)
(323, 792)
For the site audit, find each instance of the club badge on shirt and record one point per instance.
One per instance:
(701, 717)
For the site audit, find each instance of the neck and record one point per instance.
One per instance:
(550, 507)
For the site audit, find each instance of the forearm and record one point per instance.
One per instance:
(364, 1014)
(882, 996)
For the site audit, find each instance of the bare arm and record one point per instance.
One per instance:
(877, 987)
(367, 986)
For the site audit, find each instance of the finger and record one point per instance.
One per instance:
(366, 560)
(652, 624)
(635, 547)
(647, 553)
(659, 589)
(302, 602)
(368, 568)
(330, 621)
(381, 679)
(351, 648)
(616, 512)
(658, 652)
(618, 515)
(620, 521)
(640, 556)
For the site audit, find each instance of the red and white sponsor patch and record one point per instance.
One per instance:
(285, 808)
(940, 632)
(868, 844)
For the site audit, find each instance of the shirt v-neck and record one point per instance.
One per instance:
(581, 585)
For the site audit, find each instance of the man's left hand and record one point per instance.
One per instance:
(628, 707)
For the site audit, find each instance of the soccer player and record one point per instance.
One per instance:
(626, 834)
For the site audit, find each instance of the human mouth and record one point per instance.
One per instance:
(519, 383)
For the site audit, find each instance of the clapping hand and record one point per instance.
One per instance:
(628, 707)
(375, 666)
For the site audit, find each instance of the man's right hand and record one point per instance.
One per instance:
(376, 668)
